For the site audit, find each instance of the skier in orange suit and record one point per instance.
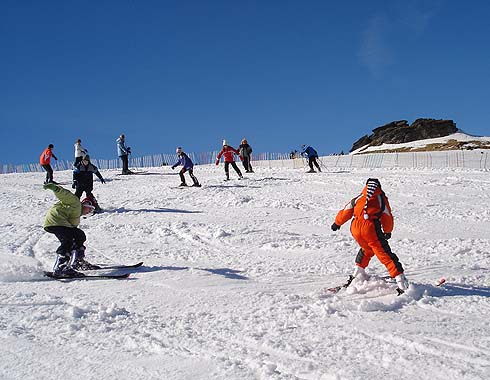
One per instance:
(371, 228)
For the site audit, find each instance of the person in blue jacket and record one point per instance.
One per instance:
(312, 155)
(187, 166)
(123, 151)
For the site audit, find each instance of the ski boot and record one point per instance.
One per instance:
(62, 268)
(183, 184)
(402, 283)
(78, 262)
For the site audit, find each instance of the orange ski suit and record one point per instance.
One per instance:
(372, 219)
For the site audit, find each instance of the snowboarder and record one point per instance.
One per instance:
(371, 228)
(229, 156)
(79, 152)
(83, 175)
(245, 151)
(62, 220)
(312, 155)
(123, 151)
(45, 161)
(187, 165)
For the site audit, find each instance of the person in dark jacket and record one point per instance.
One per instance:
(187, 166)
(245, 151)
(84, 180)
(312, 155)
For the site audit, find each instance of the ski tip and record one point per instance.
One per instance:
(441, 281)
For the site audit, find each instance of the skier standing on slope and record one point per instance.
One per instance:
(45, 161)
(83, 175)
(371, 228)
(312, 155)
(80, 151)
(187, 165)
(123, 151)
(245, 151)
(62, 220)
(229, 156)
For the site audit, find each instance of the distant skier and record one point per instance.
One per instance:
(229, 156)
(83, 175)
(187, 165)
(371, 228)
(312, 155)
(123, 151)
(80, 151)
(62, 220)
(245, 151)
(45, 161)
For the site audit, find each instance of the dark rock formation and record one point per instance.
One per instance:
(398, 132)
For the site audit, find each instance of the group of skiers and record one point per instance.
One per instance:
(371, 226)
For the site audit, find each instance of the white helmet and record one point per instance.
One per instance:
(178, 150)
(225, 142)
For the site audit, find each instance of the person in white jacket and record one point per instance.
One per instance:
(80, 151)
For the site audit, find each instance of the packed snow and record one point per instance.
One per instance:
(234, 279)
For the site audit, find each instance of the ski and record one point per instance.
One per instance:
(133, 173)
(106, 266)
(83, 276)
(336, 289)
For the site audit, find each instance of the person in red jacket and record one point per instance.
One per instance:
(371, 227)
(229, 156)
(45, 161)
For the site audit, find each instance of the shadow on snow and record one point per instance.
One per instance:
(225, 272)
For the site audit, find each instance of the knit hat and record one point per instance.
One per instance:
(371, 185)
(86, 157)
(178, 150)
(225, 142)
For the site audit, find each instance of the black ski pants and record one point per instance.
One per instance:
(227, 169)
(125, 163)
(69, 237)
(246, 163)
(312, 160)
(49, 173)
(191, 174)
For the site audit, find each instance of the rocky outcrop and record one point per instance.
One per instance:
(398, 132)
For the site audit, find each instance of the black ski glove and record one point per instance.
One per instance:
(387, 235)
(74, 185)
(335, 227)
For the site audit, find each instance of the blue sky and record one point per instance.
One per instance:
(191, 73)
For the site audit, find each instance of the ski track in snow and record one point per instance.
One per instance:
(235, 277)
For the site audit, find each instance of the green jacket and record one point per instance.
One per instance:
(66, 212)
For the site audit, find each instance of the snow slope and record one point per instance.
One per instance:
(233, 285)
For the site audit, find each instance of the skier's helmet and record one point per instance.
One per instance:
(87, 207)
(178, 150)
(225, 143)
(86, 158)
